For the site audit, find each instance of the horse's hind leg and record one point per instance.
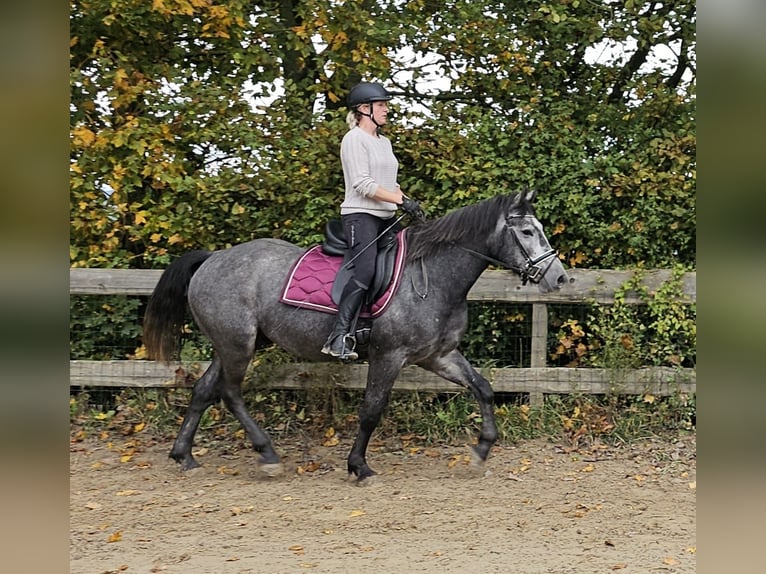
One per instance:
(204, 394)
(231, 392)
(380, 380)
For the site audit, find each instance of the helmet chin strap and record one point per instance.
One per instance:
(371, 116)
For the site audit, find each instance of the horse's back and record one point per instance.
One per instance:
(243, 271)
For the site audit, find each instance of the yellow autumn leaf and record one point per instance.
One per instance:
(83, 136)
(175, 238)
(332, 439)
(589, 468)
(115, 537)
(140, 217)
(126, 457)
(120, 79)
(155, 237)
(356, 512)
(297, 549)
(649, 399)
(139, 427)
(670, 561)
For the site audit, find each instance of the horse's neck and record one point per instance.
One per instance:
(461, 268)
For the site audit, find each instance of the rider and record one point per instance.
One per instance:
(372, 197)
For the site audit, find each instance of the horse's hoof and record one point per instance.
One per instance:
(477, 467)
(368, 480)
(186, 462)
(271, 470)
(476, 460)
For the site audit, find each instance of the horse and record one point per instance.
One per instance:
(233, 296)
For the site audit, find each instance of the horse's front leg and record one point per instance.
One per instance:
(455, 368)
(380, 380)
(204, 394)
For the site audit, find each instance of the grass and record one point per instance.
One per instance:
(433, 418)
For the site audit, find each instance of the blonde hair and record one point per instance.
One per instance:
(352, 120)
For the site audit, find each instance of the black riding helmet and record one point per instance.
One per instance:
(367, 92)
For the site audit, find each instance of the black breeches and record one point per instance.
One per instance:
(361, 229)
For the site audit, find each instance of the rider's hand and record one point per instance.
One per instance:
(412, 208)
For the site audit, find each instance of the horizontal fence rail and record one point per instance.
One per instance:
(548, 380)
(589, 286)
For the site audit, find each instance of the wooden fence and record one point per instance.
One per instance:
(597, 286)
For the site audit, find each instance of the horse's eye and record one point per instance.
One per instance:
(527, 232)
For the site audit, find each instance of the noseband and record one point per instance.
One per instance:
(532, 270)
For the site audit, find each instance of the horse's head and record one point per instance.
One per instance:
(526, 249)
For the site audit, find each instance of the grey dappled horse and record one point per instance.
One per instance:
(234, 293)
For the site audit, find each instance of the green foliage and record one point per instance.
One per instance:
(661, 332)
(199, 125)
(102, 327)
(203, 125)
(425, 418)
(498, 335)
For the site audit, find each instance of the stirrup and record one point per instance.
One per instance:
(343, 349)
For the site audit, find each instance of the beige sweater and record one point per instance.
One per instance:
(368, 163)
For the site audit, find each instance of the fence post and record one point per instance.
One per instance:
(539, 346)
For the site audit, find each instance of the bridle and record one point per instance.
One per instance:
(533, 270)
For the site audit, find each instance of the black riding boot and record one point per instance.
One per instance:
(342, 341)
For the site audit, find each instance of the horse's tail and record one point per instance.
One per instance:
(166, 309)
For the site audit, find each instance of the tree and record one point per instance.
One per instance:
(201, 125)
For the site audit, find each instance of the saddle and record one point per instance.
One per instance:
(317, 278)
(335, 244)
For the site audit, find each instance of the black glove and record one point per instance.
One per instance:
(412, 208)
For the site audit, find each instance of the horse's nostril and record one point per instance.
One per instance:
(561, 279)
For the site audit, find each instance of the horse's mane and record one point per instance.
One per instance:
(476, 220)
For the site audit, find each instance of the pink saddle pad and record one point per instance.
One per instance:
(309, 283)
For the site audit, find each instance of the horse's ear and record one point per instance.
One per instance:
(530, 194)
